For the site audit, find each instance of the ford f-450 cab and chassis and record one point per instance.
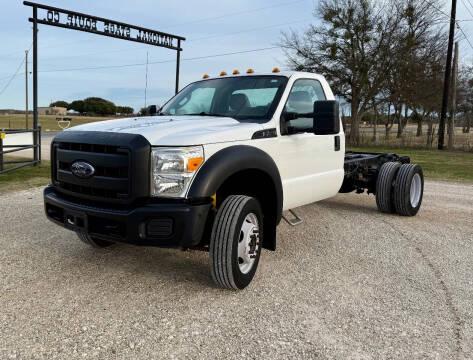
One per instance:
(216, 168)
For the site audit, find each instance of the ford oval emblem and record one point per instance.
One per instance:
(82, 169)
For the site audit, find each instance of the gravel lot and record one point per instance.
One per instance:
(349, 283)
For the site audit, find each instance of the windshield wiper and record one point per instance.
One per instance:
(203, 113)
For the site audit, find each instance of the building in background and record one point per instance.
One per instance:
(52, 110)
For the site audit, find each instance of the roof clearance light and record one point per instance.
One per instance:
(250, 71)
(206, 76)
(275, 70)
(235, 72)
(223, 73)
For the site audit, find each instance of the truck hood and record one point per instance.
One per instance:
(178, 130)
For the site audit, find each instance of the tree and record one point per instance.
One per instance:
(143, 111)
(59, 104)
(353, 48)
(124, 110)
(95, 105)
(77, 105)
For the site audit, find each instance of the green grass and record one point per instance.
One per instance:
(25, 178)
(47, 122)
(438, 165)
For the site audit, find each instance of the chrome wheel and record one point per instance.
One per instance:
(416, 190)
(248, 243)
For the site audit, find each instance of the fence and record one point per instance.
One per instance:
(18, 140)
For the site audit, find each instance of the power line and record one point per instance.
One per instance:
(195, 21)
(248, 30)
(469, 2)
(456, 22)
(14, 74)
(466, 38)
(160, 61)
(467, 8)
(234, 13)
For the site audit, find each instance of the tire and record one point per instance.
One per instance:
(384, 187)
(235, 242)
(94, 242)
(408, 190)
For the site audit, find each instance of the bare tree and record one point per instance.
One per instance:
(352, 47)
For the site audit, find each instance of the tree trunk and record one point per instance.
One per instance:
(375, 125)
(354, 137)
(404, 125)
(419, 124)
(430, 132)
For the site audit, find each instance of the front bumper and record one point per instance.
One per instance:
(166, 224)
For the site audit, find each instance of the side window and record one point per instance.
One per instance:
(301, 100)
(196, 102)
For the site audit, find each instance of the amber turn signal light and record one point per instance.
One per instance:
(194, 163)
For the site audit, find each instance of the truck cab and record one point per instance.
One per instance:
(214, 169)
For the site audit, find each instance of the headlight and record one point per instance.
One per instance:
(172, 170)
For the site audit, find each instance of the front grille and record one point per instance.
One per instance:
(111, 180)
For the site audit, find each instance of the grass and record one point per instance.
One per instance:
(438, 165)
(25, 178)
(47, 122)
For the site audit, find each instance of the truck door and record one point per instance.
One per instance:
(311, 165)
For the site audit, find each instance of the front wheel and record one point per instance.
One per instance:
(235, 243)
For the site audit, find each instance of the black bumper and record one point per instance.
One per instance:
(166, 224)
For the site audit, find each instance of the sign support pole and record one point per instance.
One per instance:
(178, 64)
(35, 84)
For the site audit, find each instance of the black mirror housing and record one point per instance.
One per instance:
(326, 117)
(151, 110)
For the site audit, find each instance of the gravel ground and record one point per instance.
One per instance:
(349, 283)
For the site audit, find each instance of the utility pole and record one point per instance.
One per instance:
(451, 123)
(26, 89)
(448, 71)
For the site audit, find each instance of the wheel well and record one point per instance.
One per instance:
(258, 184)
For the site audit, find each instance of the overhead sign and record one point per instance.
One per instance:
(49, 15)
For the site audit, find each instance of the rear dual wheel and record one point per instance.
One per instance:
(399, 188)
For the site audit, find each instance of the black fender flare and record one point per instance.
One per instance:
(227, 162)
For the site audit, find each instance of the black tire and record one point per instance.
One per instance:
(409, 179)
(225, 240)
(94, 242)
(384, 187)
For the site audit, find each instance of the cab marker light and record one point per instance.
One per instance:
(250, 71)
(235, 72)
(223, 73)
(275, 70)
(206, 76)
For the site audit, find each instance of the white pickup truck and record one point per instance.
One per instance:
(216, 168)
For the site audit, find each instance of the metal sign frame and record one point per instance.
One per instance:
(73, 20)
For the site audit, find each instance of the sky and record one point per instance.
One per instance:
(211, 27)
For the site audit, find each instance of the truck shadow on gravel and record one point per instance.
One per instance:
(147, 265)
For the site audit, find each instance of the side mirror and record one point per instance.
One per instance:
(326, 117)
(151, 110)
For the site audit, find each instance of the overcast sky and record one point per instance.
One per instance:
(211, 27)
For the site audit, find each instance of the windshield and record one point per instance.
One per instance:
(250, 98)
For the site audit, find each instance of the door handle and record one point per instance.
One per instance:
(337, 142)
